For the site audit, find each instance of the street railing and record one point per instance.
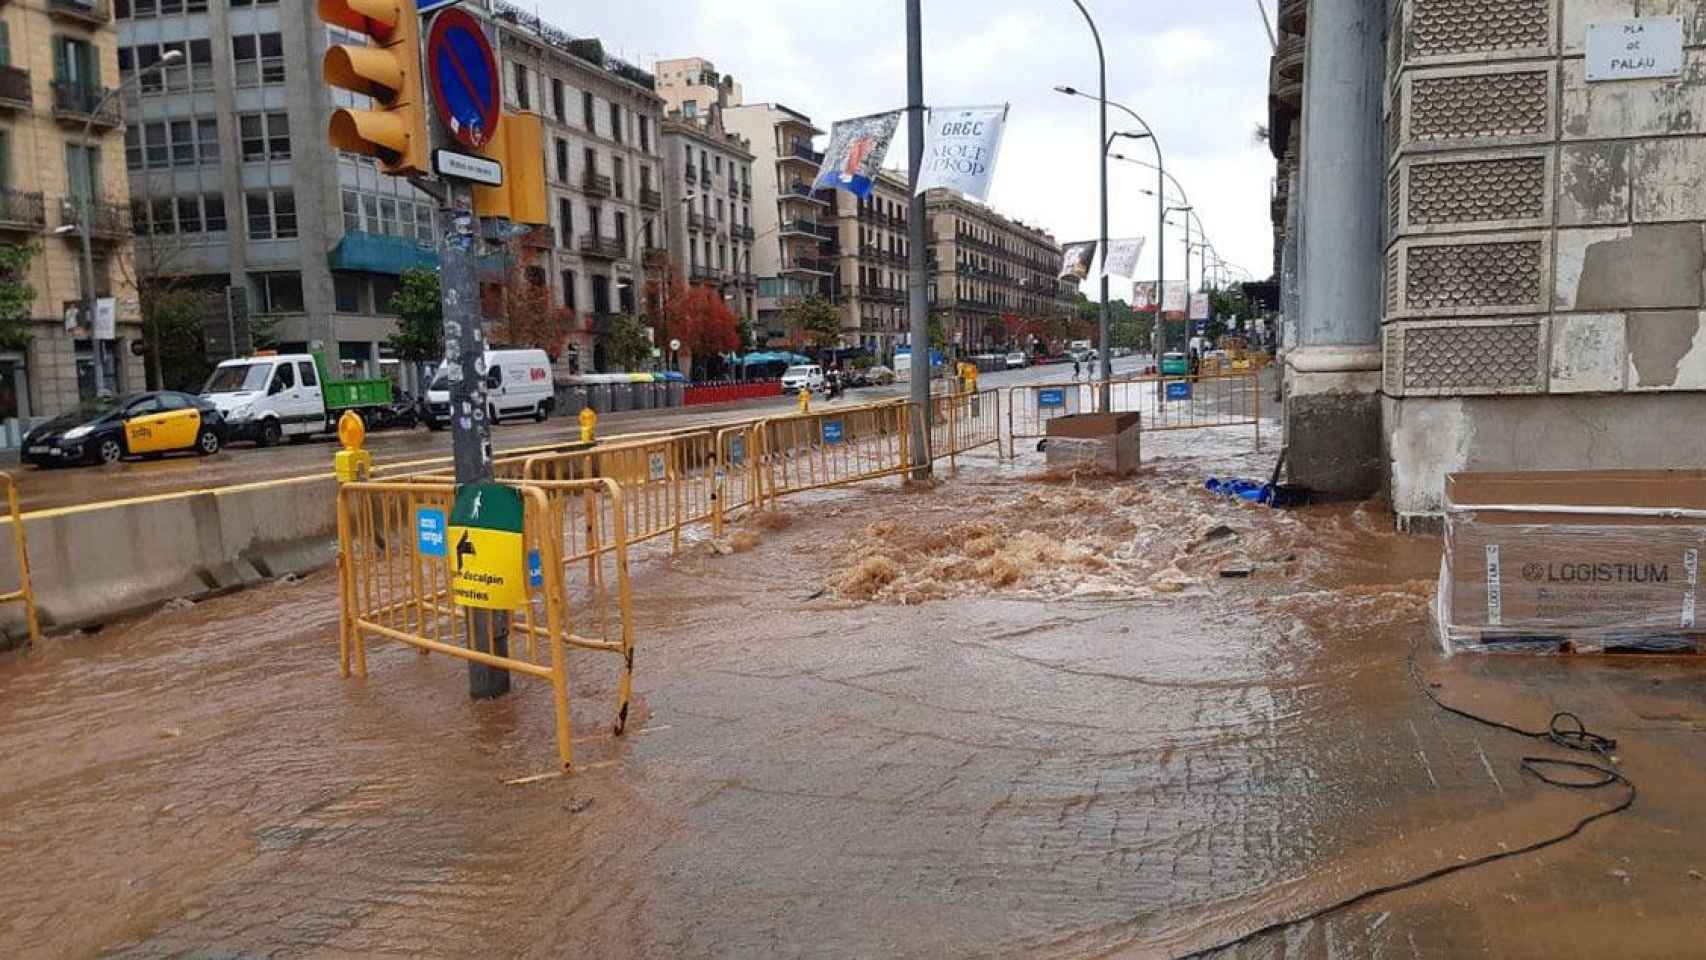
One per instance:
(1191, 402)
(25, 593)
(960, 422)
(1031, 406)
(831, 448)
(396, 584)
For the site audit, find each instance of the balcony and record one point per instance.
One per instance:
(1293, 15)
(15, 93)
(746, 191)
(814, 265)
(828, 231)
(711, 224)
(80, 103)
(705, 178)
(595, 184)
(695, 222)
(800, 190)
(22, 211)
(602, 248)
(746, 233)
(95, 13)
(705, 274)
(651, 199)
(734, 190)
(802, 153)
(798, 228)
(107, 221)
(692, 173)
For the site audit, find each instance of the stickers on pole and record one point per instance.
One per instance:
(488, 563)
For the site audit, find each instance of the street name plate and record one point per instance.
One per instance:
(449, 163)
(1637, 49)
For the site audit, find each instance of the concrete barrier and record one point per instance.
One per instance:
(96, 562)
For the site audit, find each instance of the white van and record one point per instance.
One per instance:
(808, 376)
(518, 384)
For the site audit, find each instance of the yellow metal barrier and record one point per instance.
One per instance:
(736, 473)
(830, 448)
(1190, 403)
(25, 594)
(1030, 407)
(392, 590)
(962, 422)
(667, 482)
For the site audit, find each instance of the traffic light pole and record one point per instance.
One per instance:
(470, 432)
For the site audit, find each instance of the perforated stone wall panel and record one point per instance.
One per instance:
(1440, 28)
(1478, 107)
(1466, 358)
(1510, 191)
(1468, 277)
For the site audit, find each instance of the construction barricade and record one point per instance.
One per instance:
(836, 446)
(964, 421)
(25, 593)
(396, 582)
(1030, 407)
(1190, 402)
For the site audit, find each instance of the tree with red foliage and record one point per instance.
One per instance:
(527, 317)
(666, 298)
(708, 327)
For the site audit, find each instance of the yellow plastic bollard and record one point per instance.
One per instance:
(589, 424)
(805, 399)
(352, 463)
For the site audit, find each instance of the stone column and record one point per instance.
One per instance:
(1333, 412)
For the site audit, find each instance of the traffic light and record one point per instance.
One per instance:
(389, 71)
(520, 147)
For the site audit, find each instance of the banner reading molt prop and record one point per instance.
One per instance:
(855, 153)
(1121, 260)
(960, 146)
(1075, 259)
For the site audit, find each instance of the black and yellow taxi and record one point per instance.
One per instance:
(135, 425)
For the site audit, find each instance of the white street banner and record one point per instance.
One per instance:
(106, 318)
(960, 146)
(1143, 296)
(1075, 259)
(1173, 297)
(855, 153)
(1199, 306)
(1121, 260)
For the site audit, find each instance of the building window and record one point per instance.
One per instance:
(600, 293)
(618, 177)
(562, 160)
(569, 289)
(207, 139)
(81, 171)
(646, 134)
(566, 222)
(272, 214)
(75, 62)
(558, 109)
(718, 164)
(279, 293)
(622, 230)
(616, 122)
(352, 212)
(590, 158)
(690, 109)
(255, 59)
(346, 292)
(385, 289)
(522, 99)
(592, 219)
(213, 212)
(588, 116)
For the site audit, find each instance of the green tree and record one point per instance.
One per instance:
(419, 339)
(626, 346)
(16, 294)
(175, 319)
(938, 331)
(817, 322)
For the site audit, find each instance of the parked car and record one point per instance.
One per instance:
(880, 376)
(808, 376)
(138, 424)
(518, 384)
(267, 397)
(1017, 360)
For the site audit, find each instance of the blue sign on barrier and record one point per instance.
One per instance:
(737, 451)
(535, 570)
(430, 527)
(1051, 398)
(832, 431)
(1178, 391)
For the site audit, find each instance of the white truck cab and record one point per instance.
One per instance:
(519, 383)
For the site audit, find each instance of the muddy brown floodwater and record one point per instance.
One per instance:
(1010, 716)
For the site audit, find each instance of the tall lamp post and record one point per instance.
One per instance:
(1160, 166)
(639, 259)
(1102, 159)
(86, 211)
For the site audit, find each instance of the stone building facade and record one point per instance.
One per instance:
(874, 250)
(1537, 299)
(984, 266)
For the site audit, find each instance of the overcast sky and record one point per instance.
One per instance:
(1196, 71)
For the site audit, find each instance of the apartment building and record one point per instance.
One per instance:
(604, 171)
(984, 266)
(873, 266)
(59, 144)
(691, 87)
(234, 188)
(710, 231)
(800, 261)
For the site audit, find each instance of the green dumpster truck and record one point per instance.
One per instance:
(268, 397)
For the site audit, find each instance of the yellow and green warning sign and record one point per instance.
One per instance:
(487, 561)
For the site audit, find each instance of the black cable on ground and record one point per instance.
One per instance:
(1566, 730)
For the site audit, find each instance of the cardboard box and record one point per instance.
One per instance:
(1104, 442)
(1591, 558)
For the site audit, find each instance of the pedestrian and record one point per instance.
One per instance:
(1075, 368)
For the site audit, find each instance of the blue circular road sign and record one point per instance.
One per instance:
(464, 77)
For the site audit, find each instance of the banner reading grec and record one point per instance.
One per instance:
(960, 149)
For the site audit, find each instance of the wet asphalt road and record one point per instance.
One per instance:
(1143, 768)
(245, 463)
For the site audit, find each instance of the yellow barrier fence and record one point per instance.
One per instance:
(25, 594)
(832, 447)
(962, 422)
(1191, 403)
(391, 589)
(668, 482)
(1031, 406)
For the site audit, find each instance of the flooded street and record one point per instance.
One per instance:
(1013, 715)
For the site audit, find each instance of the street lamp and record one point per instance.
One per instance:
(1101, 158)
(86, 213)
(1160, 166)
